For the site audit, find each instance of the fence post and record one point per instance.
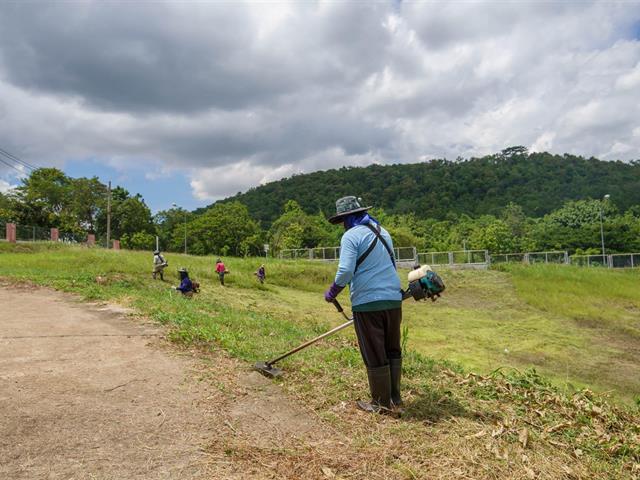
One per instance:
(91, 239)
(450, 258)
(11, 232)
(116, 244)
(55, 234)
(487, 257)
(566, 257)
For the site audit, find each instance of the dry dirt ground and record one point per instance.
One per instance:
(91, 392)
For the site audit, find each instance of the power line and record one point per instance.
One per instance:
(10, 165)
(11, 156)
(17, 159)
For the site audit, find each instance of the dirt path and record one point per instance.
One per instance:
(87, 392)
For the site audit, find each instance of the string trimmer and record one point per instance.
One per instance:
(423, 283)
(267, 368)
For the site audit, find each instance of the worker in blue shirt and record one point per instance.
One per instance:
(367, 265)
(186, 286)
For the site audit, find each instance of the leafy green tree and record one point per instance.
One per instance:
(170, 226)
(493, 235)
(296, 229)
(129, 215)
(225, 228)
(7, 208)
(138, 241)
(576, 214)
(89, 196)
(43, 196)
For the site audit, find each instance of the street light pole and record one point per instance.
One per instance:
(606, 197)
(185, 228)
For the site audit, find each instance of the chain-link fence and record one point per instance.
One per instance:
(26, 233)
(70, 237)
(31, 233)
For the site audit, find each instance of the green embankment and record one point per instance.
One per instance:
(579, 328)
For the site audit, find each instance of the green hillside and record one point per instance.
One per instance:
(539, 182)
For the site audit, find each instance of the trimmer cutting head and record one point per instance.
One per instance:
(267, 370)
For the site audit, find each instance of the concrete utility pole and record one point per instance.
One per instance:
(606, 197)
(109, 216)
(185, 226)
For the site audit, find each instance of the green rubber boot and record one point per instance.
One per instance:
(380, 387)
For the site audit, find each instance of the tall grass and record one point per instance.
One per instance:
(580, 327)
(602, 298)
(485, 320)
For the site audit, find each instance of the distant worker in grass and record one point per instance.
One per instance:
(221, 270)
(367, 264)
(186, 286)
(261, 274)
(159, 264)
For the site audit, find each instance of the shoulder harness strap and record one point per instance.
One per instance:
(376, 232)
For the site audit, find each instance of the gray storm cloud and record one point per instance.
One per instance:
(250, 92)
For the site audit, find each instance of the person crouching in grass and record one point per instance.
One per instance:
(186, 285)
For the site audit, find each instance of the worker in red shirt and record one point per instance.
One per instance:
(220, 270)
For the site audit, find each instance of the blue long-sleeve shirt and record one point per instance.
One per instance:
(376, 279)
(185, 285)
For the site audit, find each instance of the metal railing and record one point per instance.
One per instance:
(528, 258)
(405, 255)
(460, 257)
(402, 254)
(613, 260)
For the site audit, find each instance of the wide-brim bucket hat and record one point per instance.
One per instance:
(347, 206)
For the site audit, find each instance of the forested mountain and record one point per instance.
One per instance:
(509, 202)
(538, 182)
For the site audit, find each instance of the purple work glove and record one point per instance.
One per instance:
(332, 292)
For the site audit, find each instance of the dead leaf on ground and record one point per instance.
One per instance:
(328, 472)
(523, 437)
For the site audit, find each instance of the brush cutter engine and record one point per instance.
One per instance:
(423, 283)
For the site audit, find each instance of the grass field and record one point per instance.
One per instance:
(577, 327)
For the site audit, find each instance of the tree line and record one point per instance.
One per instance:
(49, 198)
(438, 189)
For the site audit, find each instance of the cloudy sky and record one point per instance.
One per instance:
(189, 102)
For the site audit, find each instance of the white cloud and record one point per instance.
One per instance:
(237, 94)
(223, 181)
(5, 186)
